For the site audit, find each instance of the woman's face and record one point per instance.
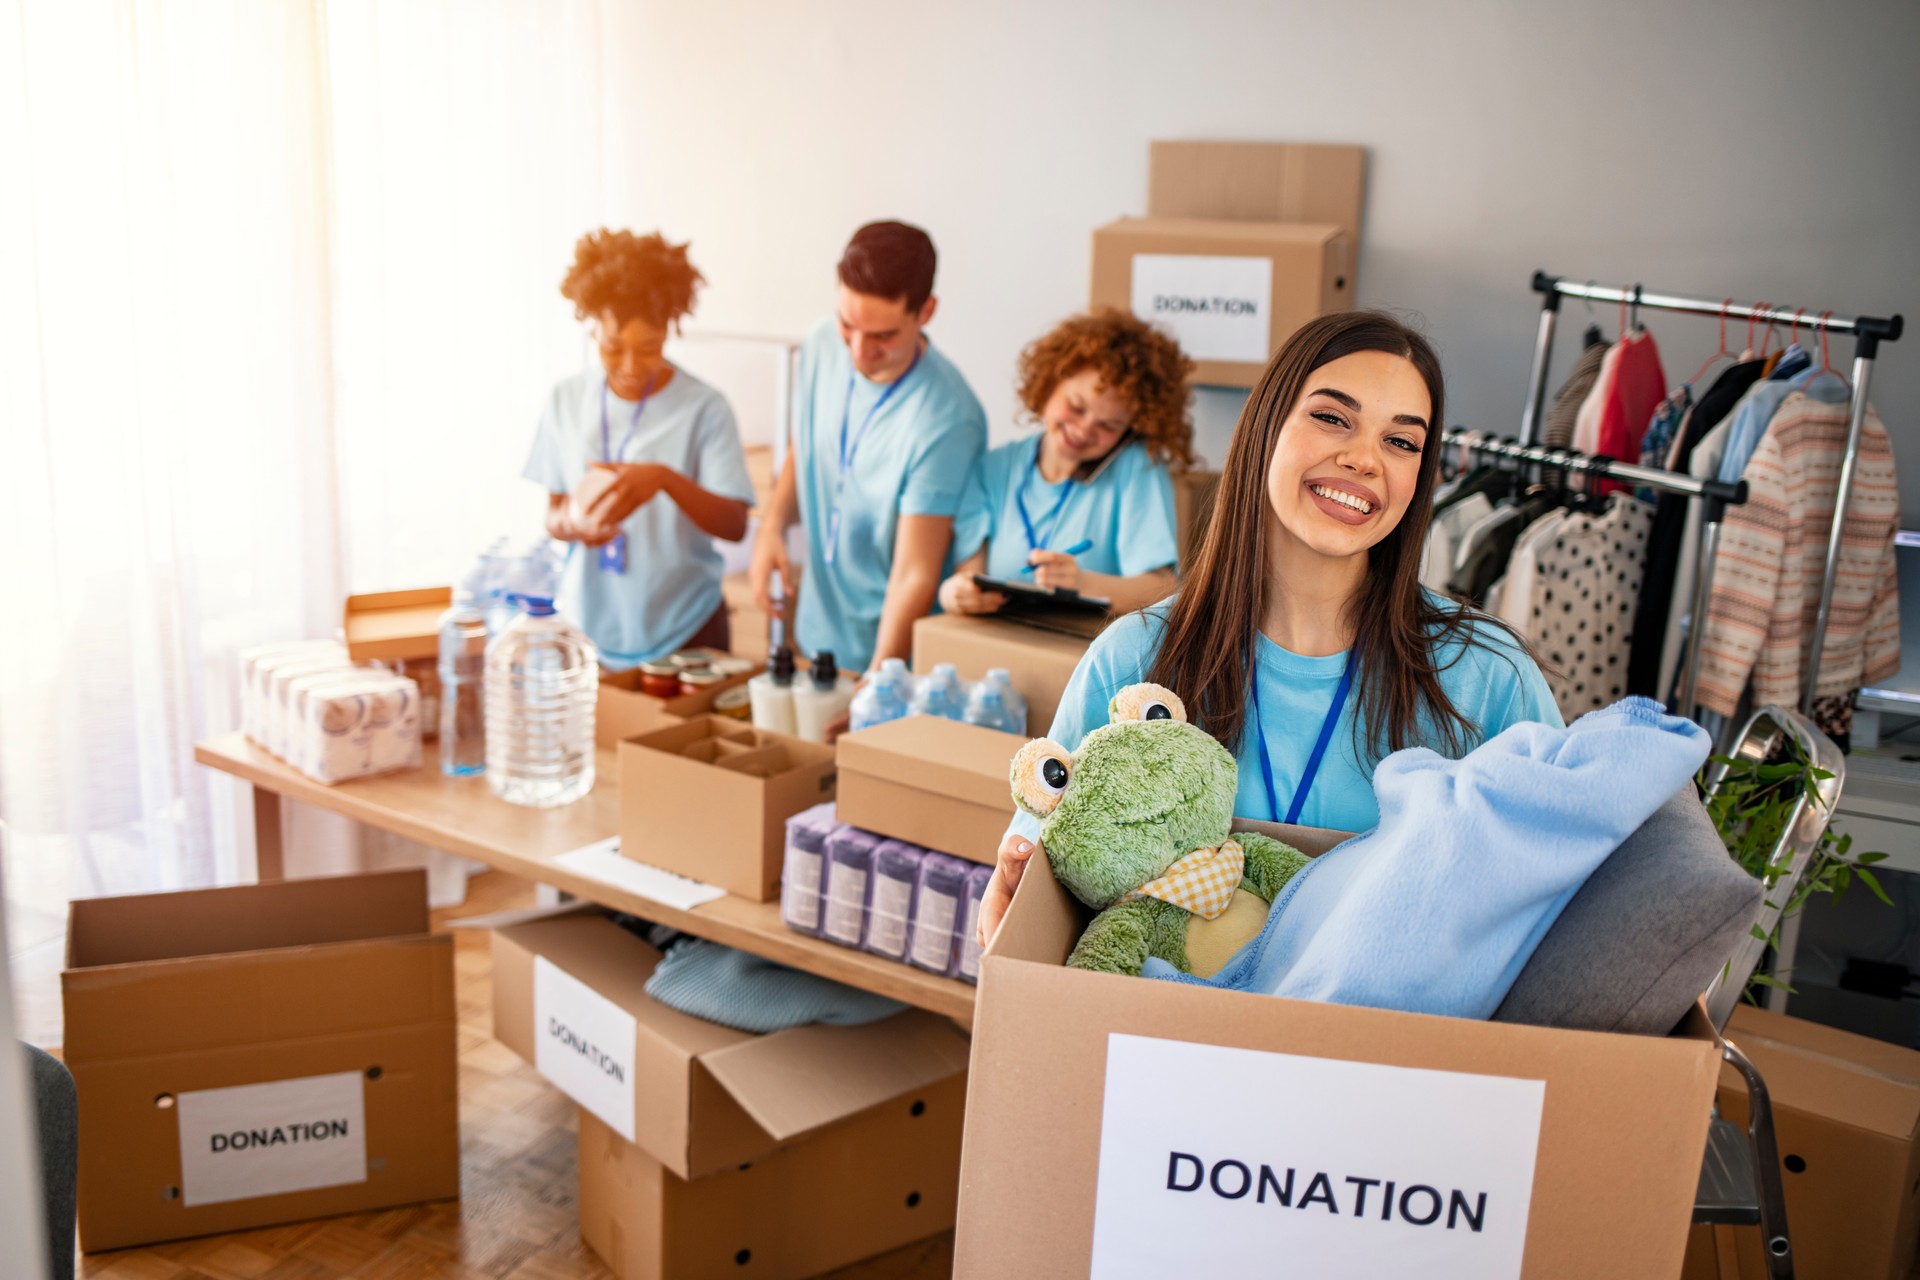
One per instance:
(1348, 456)
(1083, 419)
(632, 351)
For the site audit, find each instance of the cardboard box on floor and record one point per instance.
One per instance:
(1057, 1100)
(1041, 662)
(621, 710)
(1231, 292)
(1846, 1117)
(709, 798)
(875, 1183)
(930, 781)
(569, 996)
(259, 1054)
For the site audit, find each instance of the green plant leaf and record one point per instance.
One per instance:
(1872, 882)
(1869, 858)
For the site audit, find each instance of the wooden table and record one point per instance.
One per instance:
(461, 816)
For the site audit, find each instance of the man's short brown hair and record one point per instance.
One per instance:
(890, 260)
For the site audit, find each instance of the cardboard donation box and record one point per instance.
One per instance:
(1258, 182)
(1178, 1130)
(1846, 1118)
(1231, 292)
(930, 781)
(395, 626)
(709, 798)
(621, 710)
(703, 1149)
(259, 1054)
(1041, 662)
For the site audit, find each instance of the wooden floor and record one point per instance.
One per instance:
(516, 1216)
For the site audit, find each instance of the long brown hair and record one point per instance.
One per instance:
(1207, 649)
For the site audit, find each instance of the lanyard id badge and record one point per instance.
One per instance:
(613, 555)
(849, 446)
(1319, 746)
(1039, 536)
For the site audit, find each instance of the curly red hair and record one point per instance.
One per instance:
(1136, 361)
(635, 277)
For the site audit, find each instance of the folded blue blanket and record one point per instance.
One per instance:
(1437, 909)
(749, 993)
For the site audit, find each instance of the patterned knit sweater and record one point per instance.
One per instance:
(1766, 577)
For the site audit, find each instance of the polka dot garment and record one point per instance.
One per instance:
(1585, 594)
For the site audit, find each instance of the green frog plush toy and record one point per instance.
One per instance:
(1137, 823)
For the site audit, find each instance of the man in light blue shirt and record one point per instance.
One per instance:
(885, 435)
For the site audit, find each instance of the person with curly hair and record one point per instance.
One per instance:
(1110, 394)
(641, 461)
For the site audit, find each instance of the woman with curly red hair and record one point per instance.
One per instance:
(643, 578)
(1110, 394)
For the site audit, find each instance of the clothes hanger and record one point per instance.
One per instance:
(1747, 352)
(1593, 336)
(1721, 353)
(1826, 357)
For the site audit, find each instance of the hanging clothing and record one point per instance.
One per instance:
(1639, 385)
(1516, 603)
(1487, 547)
(1444, 533)
(1671, 644)
(1585, 591)
(1557, 431)
(1657, 443)
(1766, 584)
(1586, 422)
(1757, 407)
(1647, 674)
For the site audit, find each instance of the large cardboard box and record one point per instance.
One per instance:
(259, 1054)
(1231, 292)
(878, 1182)
(621, 710)
(1846, 1118)
(1258, 182)
(930, 781)
(1233, 1130)
(709, 798)
(569, 996)
(1041, 662)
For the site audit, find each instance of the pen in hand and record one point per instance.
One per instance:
(1077, 549)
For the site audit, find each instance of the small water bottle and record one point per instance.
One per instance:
(543, 676)
(939, 694)
(1011, 699)
(986, 706)
(879, 700)
(463, 676)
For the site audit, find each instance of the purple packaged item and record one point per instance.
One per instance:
(896, 873)
(937, 913)
(849, 869)
(804, 868)
(970, 924)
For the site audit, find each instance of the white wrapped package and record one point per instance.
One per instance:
(353, 724)
(259, 662)
(275, 682)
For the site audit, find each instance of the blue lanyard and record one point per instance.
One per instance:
(847, 447)
(1035, 541)
(1319, 747)
(606, 444)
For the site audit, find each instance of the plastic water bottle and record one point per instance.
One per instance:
(880, 700)
(940, 694)
(543, 676)
(986, 706)
(463, 675)
(1012, 699)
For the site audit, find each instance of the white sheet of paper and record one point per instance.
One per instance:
(1218, 1161)
(602, 861)
(583, 1042)
(266, 1139)
(1219, 308)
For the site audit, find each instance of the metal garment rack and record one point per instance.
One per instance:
(1717, 494)
(1868, 333)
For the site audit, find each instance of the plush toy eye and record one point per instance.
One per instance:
(1040, 774)
(1147, 702)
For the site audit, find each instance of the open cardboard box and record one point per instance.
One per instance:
(1047, 1187)
(934, 782)
(395, 626)
(259, 1054)
(1040, 662)
(569, 996)
(621, 710)
(709, 798)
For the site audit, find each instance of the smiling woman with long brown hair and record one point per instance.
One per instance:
(1301, 639)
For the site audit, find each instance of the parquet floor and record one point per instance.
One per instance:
(515, 1219)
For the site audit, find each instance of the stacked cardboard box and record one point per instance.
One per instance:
(1041, 662)
(708, 1152)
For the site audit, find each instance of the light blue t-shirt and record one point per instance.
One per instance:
(1493, 684)
(912, 460)
(1126, 512)
(1757, 408)
(672, 581)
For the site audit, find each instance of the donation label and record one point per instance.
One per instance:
(1218, 308)
(583, 1042)
(268, 1139)
(1219, 1161)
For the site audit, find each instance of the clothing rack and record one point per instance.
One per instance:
(1868, 332)
(1717, 494)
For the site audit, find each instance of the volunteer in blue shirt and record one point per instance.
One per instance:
(1301, 637)
(1087, 502)
(642, 576)
(885, 434)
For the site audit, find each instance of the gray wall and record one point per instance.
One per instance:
(1749, 147)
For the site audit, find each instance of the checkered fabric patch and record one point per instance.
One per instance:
(1202, 882)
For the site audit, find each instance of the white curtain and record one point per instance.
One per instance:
(277, 306)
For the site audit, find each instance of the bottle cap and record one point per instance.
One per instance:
(824, 672)
(782, 665)
(537, 606)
